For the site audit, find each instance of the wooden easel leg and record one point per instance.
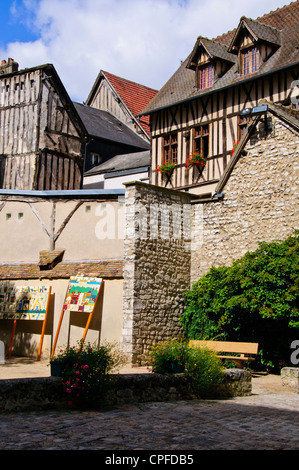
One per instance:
(12, 338)
(57, 334)
(41, 340)
(43, 328)
(86, 329)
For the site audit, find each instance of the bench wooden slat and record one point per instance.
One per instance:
(226, 346)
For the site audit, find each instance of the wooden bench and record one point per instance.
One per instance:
(225, 347)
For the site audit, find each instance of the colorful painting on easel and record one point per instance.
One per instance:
(82, 294)
(23, 302)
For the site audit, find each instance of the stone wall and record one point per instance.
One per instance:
(260, 200)
(156, 266)
(47, 393)
(290, 378)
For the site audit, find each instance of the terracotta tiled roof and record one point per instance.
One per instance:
(278, 19)
(285, 24)
(134, 95)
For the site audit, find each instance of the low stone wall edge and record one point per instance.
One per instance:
(46, 393)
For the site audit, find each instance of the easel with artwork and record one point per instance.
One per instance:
(24, 303)
(81, 296)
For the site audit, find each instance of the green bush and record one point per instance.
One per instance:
(204, 368)
(254, 299)
(200, 364)
(165, 353)
(85, 372)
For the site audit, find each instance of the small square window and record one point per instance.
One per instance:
(95, 158)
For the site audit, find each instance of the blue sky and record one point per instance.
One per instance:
(13, 27)
(141, 40)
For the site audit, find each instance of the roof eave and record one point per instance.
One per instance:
(215, 90)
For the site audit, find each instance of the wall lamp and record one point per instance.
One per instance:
(257, 110)
(245, 112)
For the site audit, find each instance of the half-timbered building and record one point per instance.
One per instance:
(42, 138)
(124, 99)
(47, 141)
(205, 107)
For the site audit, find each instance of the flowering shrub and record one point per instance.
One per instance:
(200, 364)
(162, 355)
(235, 145)
(166, 167)
(85, 373)
(205, 369)
(195, 158)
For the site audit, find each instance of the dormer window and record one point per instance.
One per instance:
(254, 43)
(210, 61)
(249, 61)
(205, 76)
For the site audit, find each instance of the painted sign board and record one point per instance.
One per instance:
(23, 302)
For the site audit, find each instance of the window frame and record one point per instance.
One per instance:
(249, 60)
(243, 122)
(95, 158)
(201, 134)
(170, 148)
(205, 76)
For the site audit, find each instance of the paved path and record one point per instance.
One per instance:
(266, 420)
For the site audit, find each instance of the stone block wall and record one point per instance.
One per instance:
(290, 378)
(47, 393)
(260, 200)
(156, 266)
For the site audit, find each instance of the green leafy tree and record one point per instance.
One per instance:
(254, 299)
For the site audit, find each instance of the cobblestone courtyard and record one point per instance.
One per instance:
(266, 420)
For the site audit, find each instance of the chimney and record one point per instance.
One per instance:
(8, 67)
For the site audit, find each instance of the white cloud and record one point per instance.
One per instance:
(142, 40)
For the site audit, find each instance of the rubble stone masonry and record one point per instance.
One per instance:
(156, 266)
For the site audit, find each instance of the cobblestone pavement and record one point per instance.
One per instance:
(266, 420)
